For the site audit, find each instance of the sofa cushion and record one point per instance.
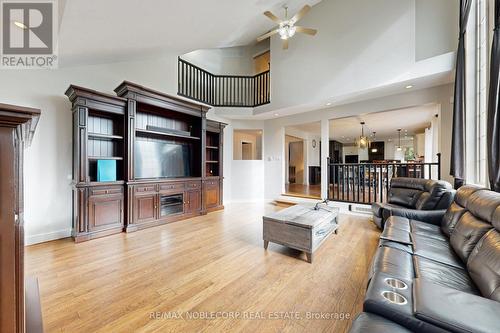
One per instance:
(398, 222)
(396, 235)
(484, 265)
(437, 250)
(483, 203)
(444, 275)
(435, 189)
(394, 262)
(395, 245)
(369, 322)
(463, 194)
(406, 197)
(451, 217)
(467, 233)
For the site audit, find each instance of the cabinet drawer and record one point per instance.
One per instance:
(211, 183)
(172, 187)
(94, 191)
(145, 189)
(193, 185)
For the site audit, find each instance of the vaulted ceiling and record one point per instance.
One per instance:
(94, 31)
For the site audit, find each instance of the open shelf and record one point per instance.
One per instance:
(105, 136)
(166, 135)
(212, 147)
(117, 158)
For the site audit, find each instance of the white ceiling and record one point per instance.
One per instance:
(93, 31)
(385, 124)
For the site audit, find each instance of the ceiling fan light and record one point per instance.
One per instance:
(286, 30)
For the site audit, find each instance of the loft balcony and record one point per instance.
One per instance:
(223, 90)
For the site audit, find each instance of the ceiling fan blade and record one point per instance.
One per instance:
(285, 44)
(272, 17)
(308, 31)
(269, 34)
(300, 14)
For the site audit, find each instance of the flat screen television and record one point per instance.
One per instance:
(161, 159)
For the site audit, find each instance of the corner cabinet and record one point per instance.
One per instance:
(98, 135)
(213, 180)
(138, 129)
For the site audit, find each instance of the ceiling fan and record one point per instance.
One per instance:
(286, 28)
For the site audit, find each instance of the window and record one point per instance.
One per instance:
(478, 50)
(247, 145)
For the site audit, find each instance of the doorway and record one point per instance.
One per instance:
(302, 160)
(247, 151)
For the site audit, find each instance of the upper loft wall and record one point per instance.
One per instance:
(229, 61)
(361, 45)
(436, 27)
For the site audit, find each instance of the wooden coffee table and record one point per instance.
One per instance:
(300, 227)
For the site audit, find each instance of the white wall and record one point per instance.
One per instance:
(231, 60)
(243, 179)
(436, 24)
(348, 55)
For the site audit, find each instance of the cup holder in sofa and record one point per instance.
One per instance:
(394, 297)
(396, 283)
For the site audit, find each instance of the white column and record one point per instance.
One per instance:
(325, 151)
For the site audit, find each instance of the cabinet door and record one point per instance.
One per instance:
(193, 202)
(105, 212)
(145, 208)
(212, 193)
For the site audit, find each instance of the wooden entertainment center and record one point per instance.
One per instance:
(168, 160)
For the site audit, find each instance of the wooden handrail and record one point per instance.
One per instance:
(200, 85)
(369, 182)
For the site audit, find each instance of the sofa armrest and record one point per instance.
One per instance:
(454, 310)
(428, 216)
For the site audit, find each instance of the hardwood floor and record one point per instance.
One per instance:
(201, 266)
(304, 191)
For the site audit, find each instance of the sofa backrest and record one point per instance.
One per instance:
(475, 222)
(457, 208)
(418, 193)
(484, 261)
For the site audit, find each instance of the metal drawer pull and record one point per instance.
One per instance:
(321, 232)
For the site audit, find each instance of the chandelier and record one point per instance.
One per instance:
(363, 142)
(399, 136)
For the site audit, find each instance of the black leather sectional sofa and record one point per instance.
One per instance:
(415, 198)
(445, 277)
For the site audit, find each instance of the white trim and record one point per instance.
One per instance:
(41, 238)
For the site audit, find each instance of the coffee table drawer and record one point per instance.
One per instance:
(289, 235)
(322, 231)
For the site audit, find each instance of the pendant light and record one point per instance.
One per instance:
(363, 141)
(399, 135)
(373, 149)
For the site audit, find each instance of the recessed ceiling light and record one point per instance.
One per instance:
(20, 25)
(276, 114)
(409, 86)
(328, 104)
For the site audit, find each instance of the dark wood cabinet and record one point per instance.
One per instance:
(19, 310)
(145, 208)
(193, 202)
(98, 135)
(125, 129)
(105, 212)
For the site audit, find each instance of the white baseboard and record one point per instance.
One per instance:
(41, 238)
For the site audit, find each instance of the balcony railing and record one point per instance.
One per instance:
(222, 90)
(369, 182)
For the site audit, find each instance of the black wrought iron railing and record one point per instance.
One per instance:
(223, 90)
(369, 182)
